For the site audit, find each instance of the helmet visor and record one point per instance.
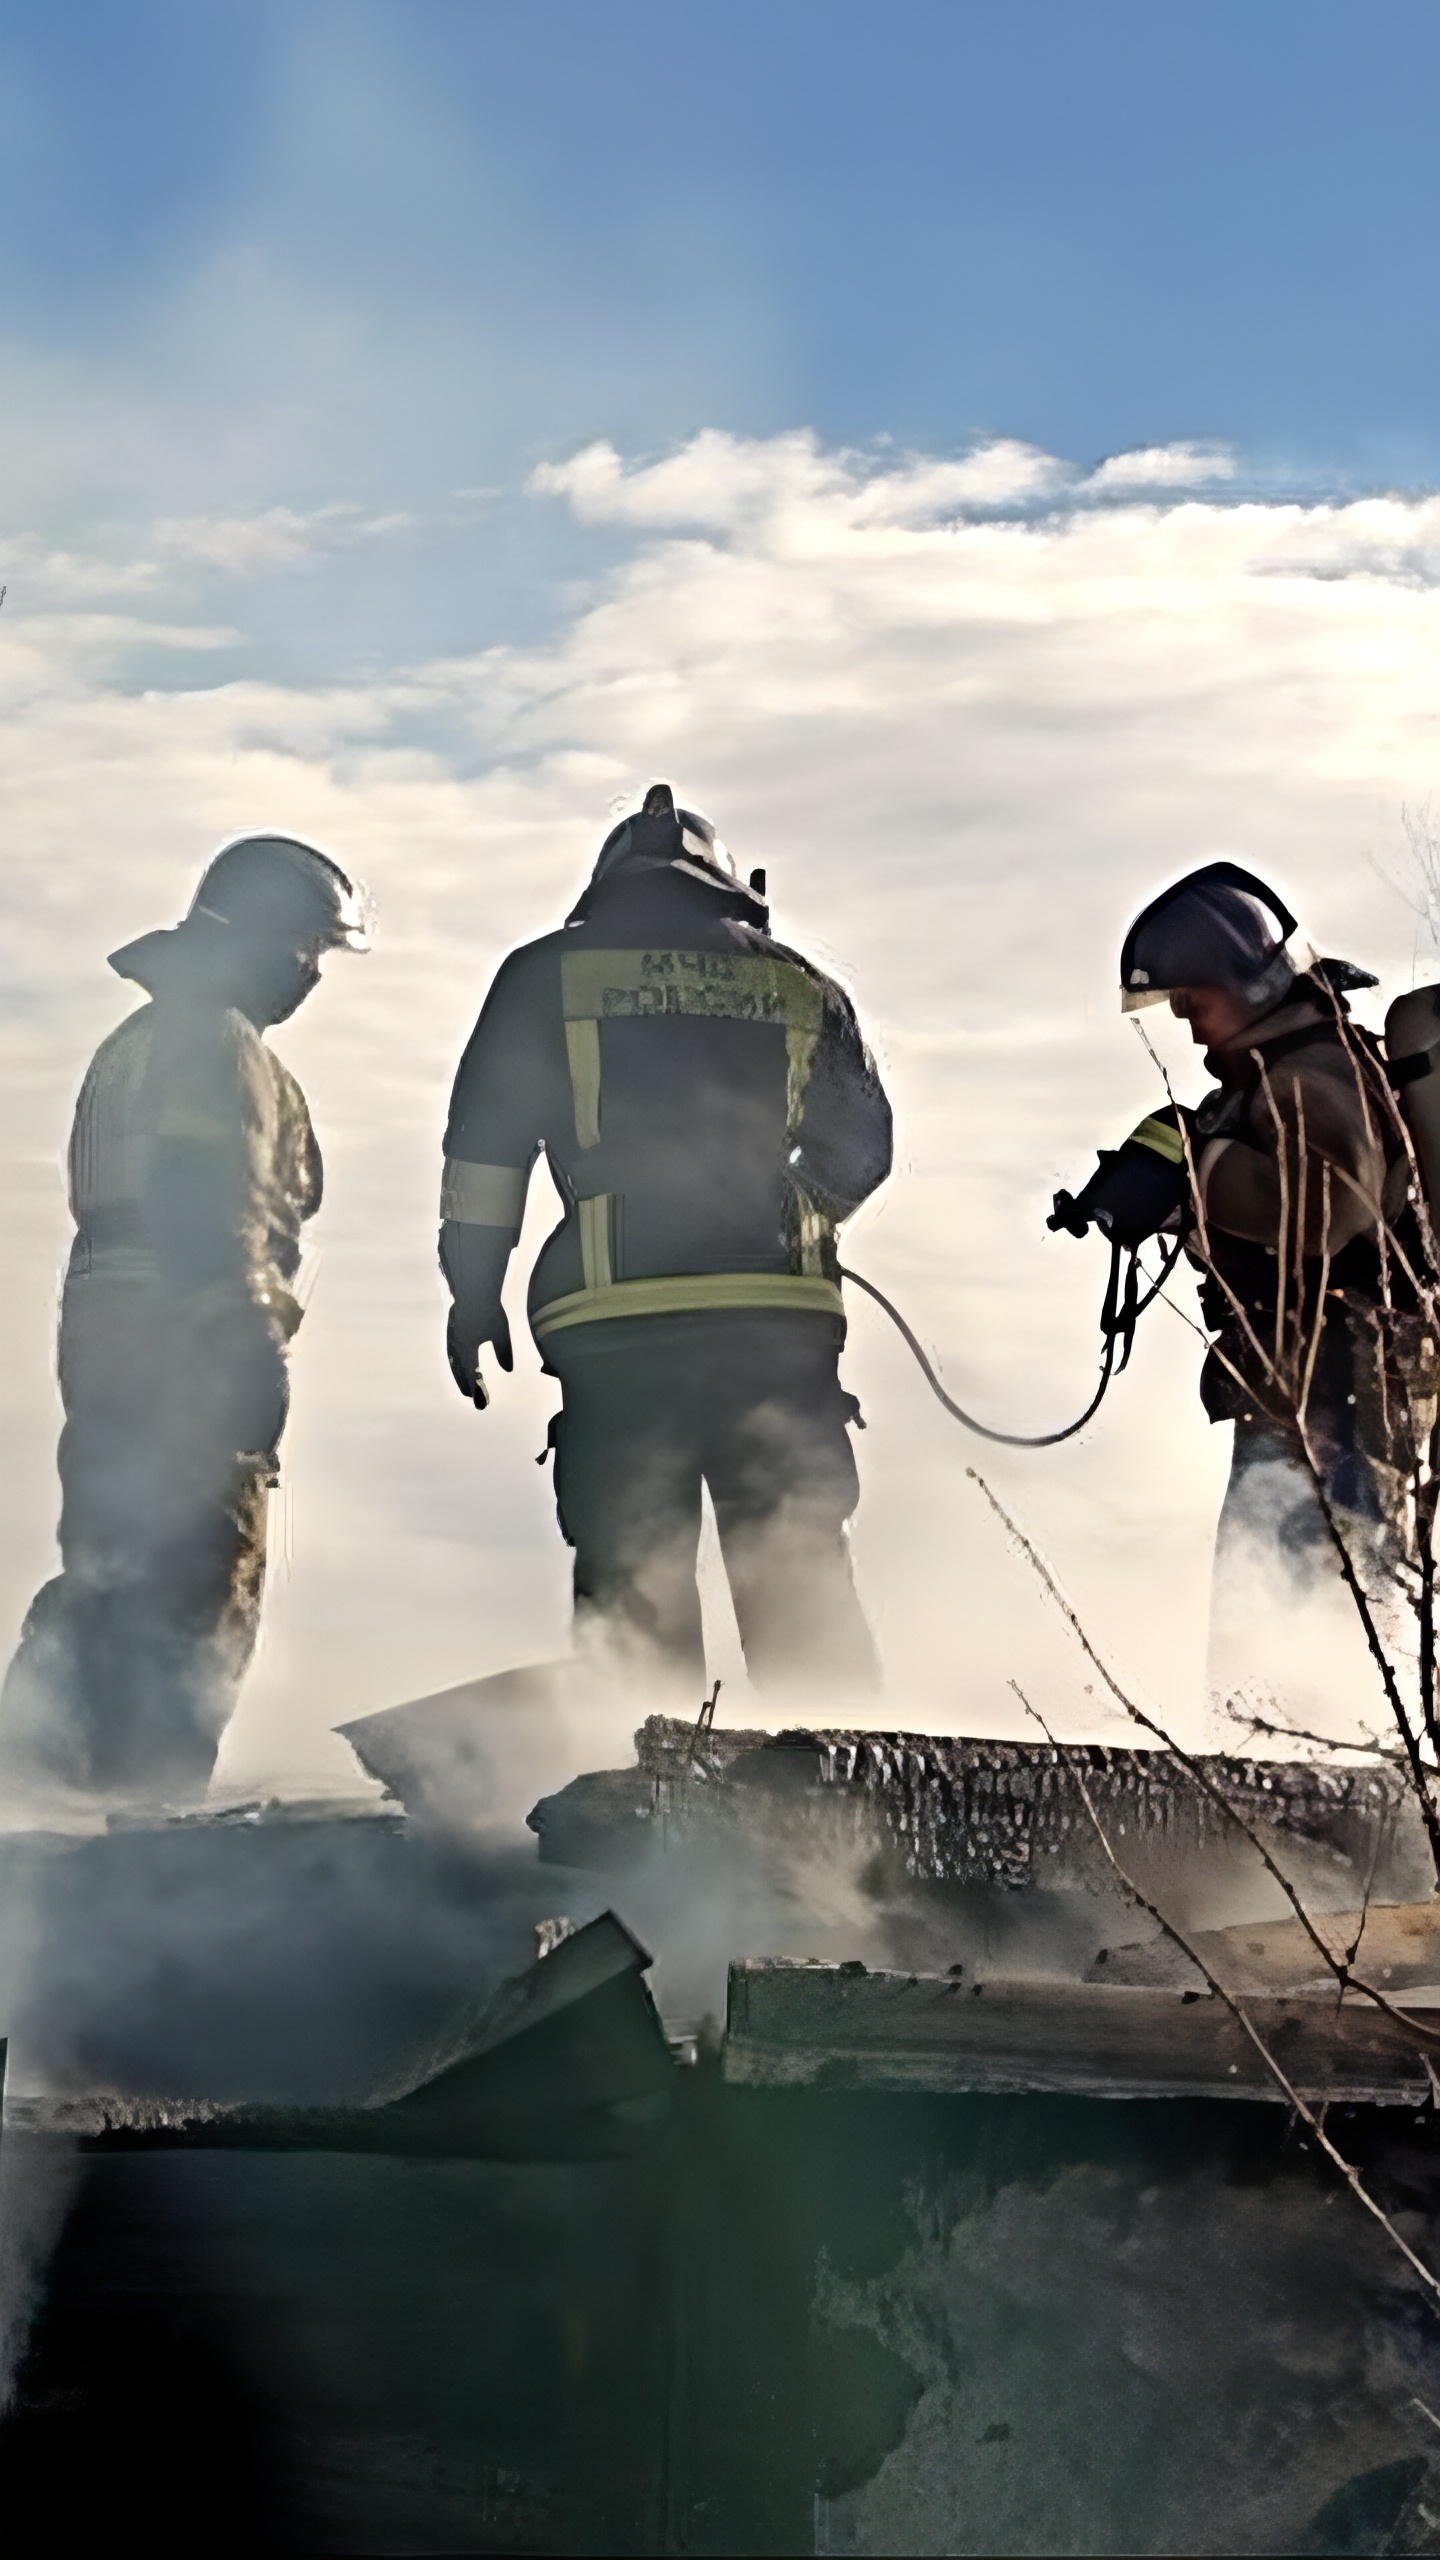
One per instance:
(1209, 933)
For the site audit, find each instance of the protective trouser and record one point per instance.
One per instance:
(129, 1661)
(750, 1405)
(1285, 1636)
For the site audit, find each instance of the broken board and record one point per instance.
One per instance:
(795, 2024)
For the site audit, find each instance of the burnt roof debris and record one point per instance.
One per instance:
(566, 2060)
(959, 1811)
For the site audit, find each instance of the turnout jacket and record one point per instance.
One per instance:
(193, 1163)
(703, 1097)
(1301, 1165)
(1328, 1110)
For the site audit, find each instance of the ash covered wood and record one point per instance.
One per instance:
(1397, 1944)
(841, 2026)
(967, 1811)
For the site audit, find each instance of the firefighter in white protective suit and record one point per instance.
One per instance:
(193, 1167)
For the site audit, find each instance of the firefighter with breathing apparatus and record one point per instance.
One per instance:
(1290, 1186)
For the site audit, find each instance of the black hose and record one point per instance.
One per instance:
(1113, 1328)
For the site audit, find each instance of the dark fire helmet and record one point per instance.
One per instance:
(1218, 927)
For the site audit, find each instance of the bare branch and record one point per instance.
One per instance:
(1287, 1376)
(1391, 1685)
(1193, 1768)
(1283, 1238)
(1368, 1742)
(1317, 1331)
(1349, 2173)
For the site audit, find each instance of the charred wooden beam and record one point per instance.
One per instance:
(974, 1811)
(799, 2025)
(956, 1811)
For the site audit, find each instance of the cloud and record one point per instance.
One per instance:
(725, 482)
(1393, 538)
(38, 574)
(966, 744)
(86, 644)
(1161, 466)
(244, 546)
(276, 538)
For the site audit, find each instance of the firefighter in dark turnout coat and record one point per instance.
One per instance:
(1301, 1172)
(710, 1115)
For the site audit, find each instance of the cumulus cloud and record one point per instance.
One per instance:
(1394, 538)
(725, 482)
(1161, 466)
(966, 744)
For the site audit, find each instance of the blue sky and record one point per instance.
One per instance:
(311, 251)
(1090, 223)
(425, 424)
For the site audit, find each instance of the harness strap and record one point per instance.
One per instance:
(1271, 1052)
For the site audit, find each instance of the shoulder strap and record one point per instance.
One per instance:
(1271, 1052)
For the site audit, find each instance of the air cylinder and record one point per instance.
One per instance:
(1412, 1029)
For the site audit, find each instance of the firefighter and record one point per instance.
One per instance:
(193, 1167)
(1300, 1175)
(710, 1115)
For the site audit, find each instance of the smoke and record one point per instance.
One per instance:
(815, 1874)
(1287, 1643)
(300, 1960)
(39, 2177)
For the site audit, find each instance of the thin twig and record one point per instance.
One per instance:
(1414, 1764)
(1352, 1582)
(1282, 1245)
(1370, 1086)
(1425, 1511)
(1349, 2173)
(1317, 1332)
(1383, 1664)
(1353, 1949)
(1202, 1779)
(1302, 1170)
(1273, 1371)
(1368, 1742)
(1201, 1228)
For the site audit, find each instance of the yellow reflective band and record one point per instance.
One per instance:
(593, 1218)
(690, 1293)
(482, 1195)
(817, 1232)
(582, 1047)
(1161, 1139)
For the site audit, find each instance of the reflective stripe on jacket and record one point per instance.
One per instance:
(704, 1100)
